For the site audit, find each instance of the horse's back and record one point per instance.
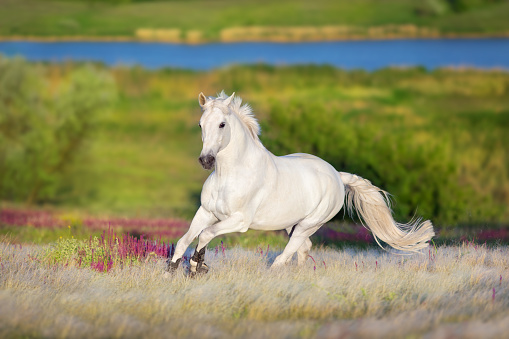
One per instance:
(300, 156)
(304, 161)
(314, 171)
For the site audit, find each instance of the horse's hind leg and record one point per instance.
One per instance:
(302, 252)
(289, 230)
(300, 237)
(197, 262)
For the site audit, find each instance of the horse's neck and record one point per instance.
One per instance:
(241, 154)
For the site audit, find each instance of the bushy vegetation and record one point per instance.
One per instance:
(413, 140)
(465, 5)
(437, 140)
(45, 119)
(421, 165)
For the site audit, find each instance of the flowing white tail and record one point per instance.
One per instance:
(373, 207)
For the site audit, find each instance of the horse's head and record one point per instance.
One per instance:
(215, 127)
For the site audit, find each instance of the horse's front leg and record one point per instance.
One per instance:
(201, 220)
(235, 223)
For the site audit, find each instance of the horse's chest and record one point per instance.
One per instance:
(223, 201)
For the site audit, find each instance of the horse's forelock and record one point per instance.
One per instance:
(243, 112)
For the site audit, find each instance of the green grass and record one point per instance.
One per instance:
(456, 289)
(36, 236)
(99, 18)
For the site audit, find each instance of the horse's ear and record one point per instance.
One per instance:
(202, 99)
(227, 101)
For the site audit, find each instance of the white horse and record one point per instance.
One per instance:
(251, 188)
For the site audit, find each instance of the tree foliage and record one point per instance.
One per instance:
(44, 125)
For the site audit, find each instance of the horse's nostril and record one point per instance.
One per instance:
(207, 161)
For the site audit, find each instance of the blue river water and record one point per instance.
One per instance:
(368, 55)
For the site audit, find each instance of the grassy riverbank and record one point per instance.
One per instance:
(228, 20)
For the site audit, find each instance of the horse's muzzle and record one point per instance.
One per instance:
(207, 161)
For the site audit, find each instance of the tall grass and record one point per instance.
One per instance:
(459, 290)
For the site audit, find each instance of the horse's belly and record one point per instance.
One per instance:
(279, 222)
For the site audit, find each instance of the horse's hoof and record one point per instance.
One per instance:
(199, 256)
(172, 266)
(200, 269)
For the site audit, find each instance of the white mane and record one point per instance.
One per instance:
(245, 114)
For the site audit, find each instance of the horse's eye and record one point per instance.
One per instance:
(199, 125)
(221, 125)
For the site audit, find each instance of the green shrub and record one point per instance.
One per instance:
(422, 175)
(44, 126)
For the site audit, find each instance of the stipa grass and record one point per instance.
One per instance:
(107, 251)
(447, 293)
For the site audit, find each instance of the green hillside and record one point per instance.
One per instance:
(207, 18)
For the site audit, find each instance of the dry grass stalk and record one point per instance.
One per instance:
(366, 294)
(318, 33)
(194, 37)
(166, 35)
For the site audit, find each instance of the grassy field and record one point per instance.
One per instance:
(206, 19)
(456, 291)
